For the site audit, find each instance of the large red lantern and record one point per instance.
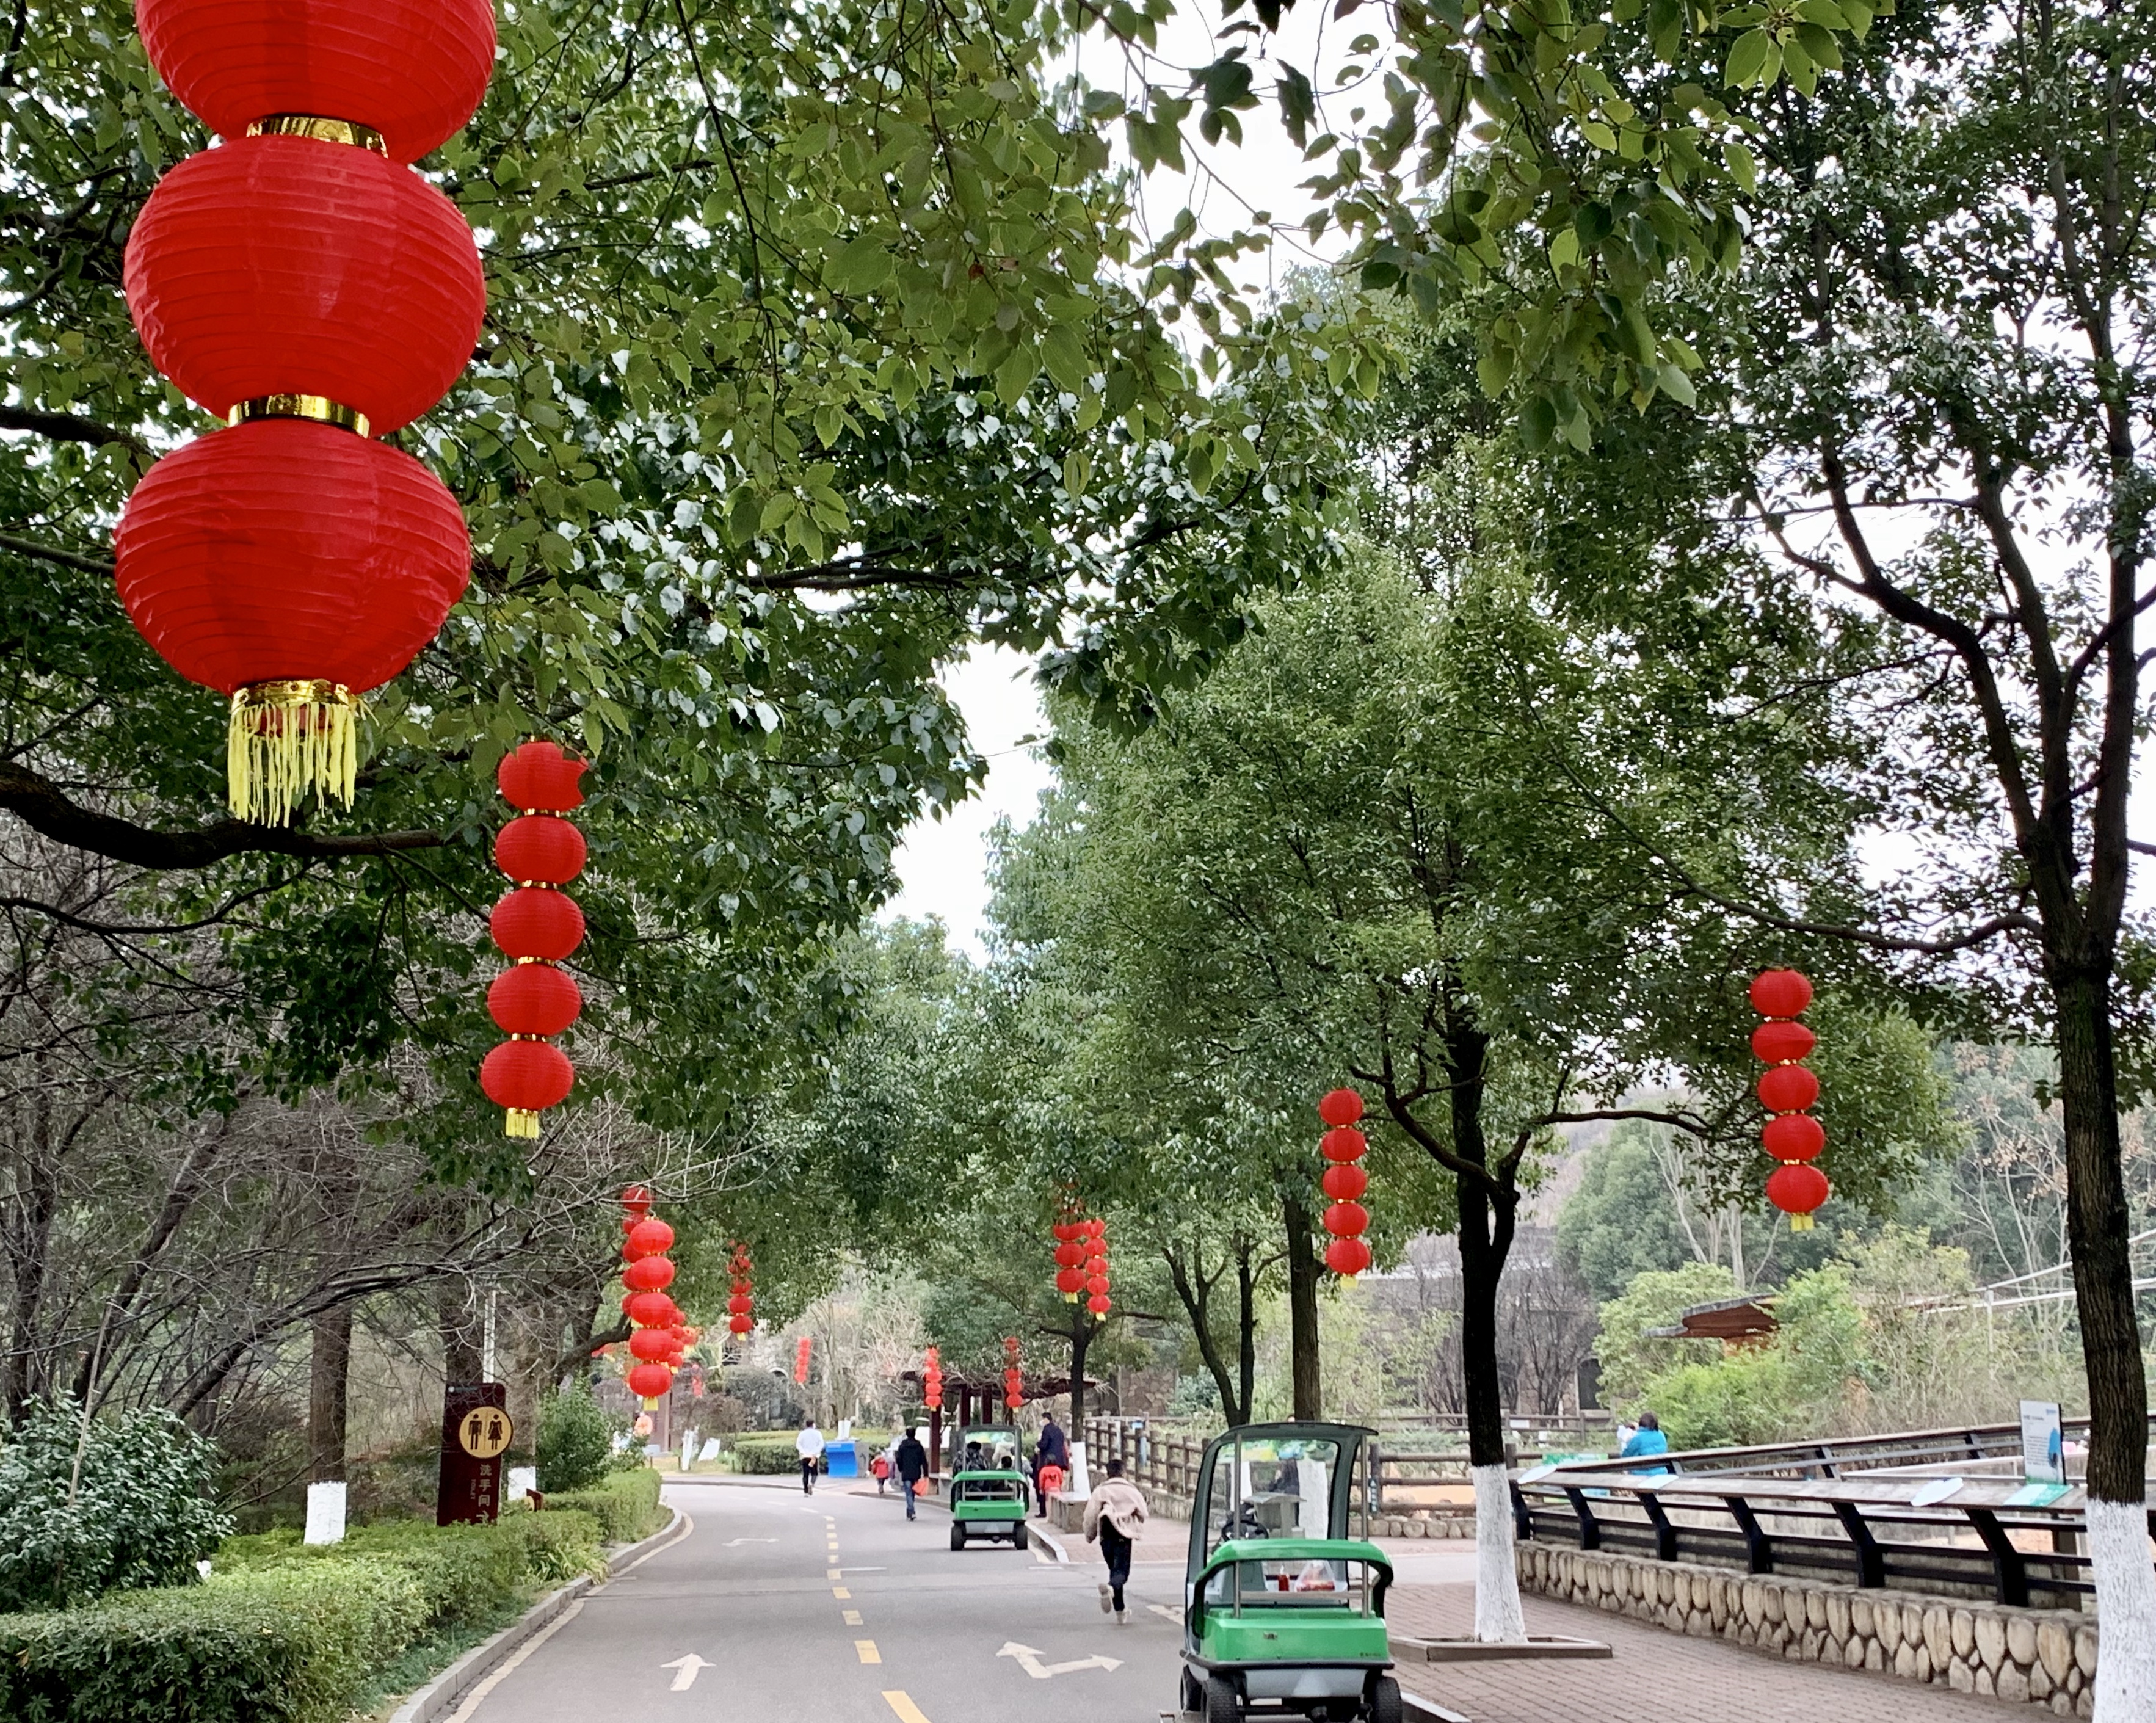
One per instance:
(652, 1345)
(1344, 1183)
(1341, 1107)
(648, 1309)
(414, 70)
(648, 1381)
(649, 1237)
(1348, 1257)
(526, 1077)
(538, 923)
(1788, 1091)
(303, 283)
(649, 1274)
(1342, 1145)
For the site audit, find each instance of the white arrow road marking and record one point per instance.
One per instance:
(686, 1669)
(1028, 1658)
(1173, 1612)
(734, 1543)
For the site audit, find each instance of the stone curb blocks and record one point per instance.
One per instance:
(2044, 1657)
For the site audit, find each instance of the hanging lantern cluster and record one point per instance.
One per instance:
(1343, 1148)
(1013, 1375)
(538, 923)
(659, 1336)
(1071, 1251)
(1788, 1089)
(1096, 1241)
(801, 1363)
(931, 1381)
(740, 1299)
(300, 282)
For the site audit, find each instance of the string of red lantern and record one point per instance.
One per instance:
(1788, 1091)
(801, 1362)
(1013, 1375)
(658, 1337)
(931, 1381)
(1071, 1252)
(301, 282)
(538, 923)
(741, 1302)
(1096, 1282)
(1343, 1148)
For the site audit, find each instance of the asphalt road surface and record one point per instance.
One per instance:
(779, 1606)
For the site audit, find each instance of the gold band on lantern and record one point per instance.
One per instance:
(284, 738)
(315, 125)
(318, 407)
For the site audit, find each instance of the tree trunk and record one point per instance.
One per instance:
(328, 1373)
(2111, 1351)
(1486, 1223)
(461, 1335)
(1193, 1286)
(1246, 1330)
(1081, 1341)
(1302, 1270)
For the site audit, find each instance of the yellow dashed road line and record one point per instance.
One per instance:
(841, 1592)
(908, 1712)
(866, 1649)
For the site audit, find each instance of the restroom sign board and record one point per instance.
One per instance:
(476, 1431)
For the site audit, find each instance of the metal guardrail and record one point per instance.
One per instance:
(1910, 1512)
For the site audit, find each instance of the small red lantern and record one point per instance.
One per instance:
(1348, 1257)
(1787, 1089)
(637, 1200)
(534, 999)
(537, 922)
(648, 1309)
(1797, 1189)
(652, 1345)
(1794, 1137)
(1341, 1145)
(540, 849)
(1344, 1183)
(1099, 1304)
(649, 1274)
(649, 1237)
(648, 1381)
(1070, 1282)
(1346, 1220)
(1069, 1254)
(1777, 1043)
(526, 1077)
(1781, 992)
(1343, 1106)
(741, 1322)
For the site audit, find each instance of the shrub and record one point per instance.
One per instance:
(575, 1442)
(625, 1505)
(112, 1504)
(763, 1455)
(288, 1645)
(558, 1545)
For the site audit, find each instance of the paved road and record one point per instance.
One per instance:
(833, 1608)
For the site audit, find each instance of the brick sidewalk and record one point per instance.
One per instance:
(1655, 1677)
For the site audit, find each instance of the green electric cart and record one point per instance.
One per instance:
(1284, 1598)
(989, 1487)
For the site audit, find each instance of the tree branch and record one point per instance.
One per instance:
(73, 428)
(47, 553)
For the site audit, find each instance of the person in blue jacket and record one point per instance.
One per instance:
(1647, 1440)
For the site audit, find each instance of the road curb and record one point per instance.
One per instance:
(1038, 1533)
(448, 1689)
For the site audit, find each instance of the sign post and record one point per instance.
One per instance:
(475, 1434)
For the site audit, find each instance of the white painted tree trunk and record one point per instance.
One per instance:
(1497, 1617)
(2126, 1613)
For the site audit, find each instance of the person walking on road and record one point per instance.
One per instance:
(1115, 1516)
(910, 1461)
(810, 1445)
(1050, 1452)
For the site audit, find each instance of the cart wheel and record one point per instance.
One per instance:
(1221, 1706)
(1020, 1541)
(1384, 1700)
(1193, 1692)
(958, 1537)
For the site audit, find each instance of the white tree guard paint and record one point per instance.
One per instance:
(1497, 1617)
(2126, 1613)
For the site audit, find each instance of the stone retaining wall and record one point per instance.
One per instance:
(2042, 1656)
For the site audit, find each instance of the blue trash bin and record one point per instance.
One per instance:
(840, 1460)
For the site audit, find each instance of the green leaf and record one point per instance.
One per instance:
(1065, 356)
(1537, 421)
(859, 266)
(1741, 167)
(1747, 59)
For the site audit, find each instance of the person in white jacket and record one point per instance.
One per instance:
(1115, 1516)
(810, 1445)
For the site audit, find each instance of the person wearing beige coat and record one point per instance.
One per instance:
(1115, 1516)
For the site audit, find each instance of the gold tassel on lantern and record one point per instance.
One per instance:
(1801, 1223)
(286, 738)
(520, 1121)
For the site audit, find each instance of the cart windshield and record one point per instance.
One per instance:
(1269, 1486)
(989, 1450)
(1315, 1584)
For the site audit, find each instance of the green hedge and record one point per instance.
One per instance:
(284, 1633)
(625, 1505)
(289, 1644)
(770, 1452)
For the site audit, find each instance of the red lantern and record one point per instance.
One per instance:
(1067, 1230)
(649, 1274)
(539, 778)
(1070, 1255)
(1798, 1188)
(537, 921)
(1070, 1282)
(741, 1322)
(1794, 1137)
(1777, 1043)
(1348, 1257)
(540, 849)
(648, 1309)
(1343, 1106)
(801, 1360)
(1099, 1304)
(527, 1077)
(1346, 1220)
(637, 1200)
(651, 1344)
(1096, 1228)
(649, 1237)
(1341, 1145)
(1787, 1089)
(1781, 992)
(414, 70)
(740, 1304)
(1344, 1183)
(534, 999)
(1096, 1284)
(290, 266)
(648, 1381)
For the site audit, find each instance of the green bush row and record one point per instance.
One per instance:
(766, 1453)
(283, 1631)
(625, 1505)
